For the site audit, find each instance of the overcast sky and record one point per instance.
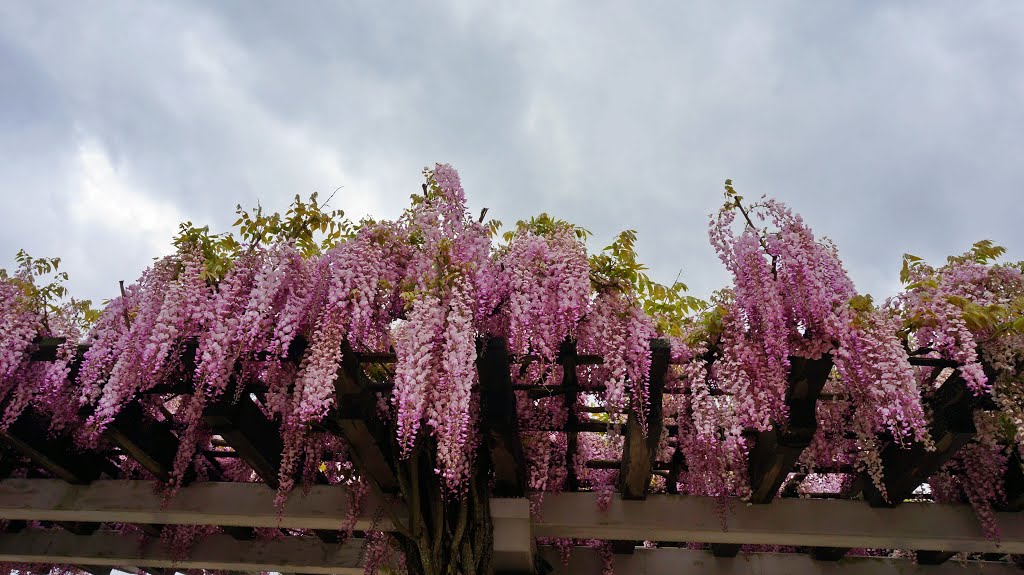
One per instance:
(892, 127)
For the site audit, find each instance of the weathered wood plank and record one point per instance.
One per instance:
(215, 552)
(664, 561)
(202, 503)
(797, 522)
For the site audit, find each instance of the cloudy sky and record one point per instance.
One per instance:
(892, 127)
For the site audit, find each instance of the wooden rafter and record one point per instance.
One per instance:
(253, 436)
(355, 418)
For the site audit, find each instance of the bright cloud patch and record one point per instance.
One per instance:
(105, 195)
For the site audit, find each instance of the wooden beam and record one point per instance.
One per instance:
(149, 442)
(663, 561)
(254, 437)
(641, 445)
(775, 452)
(203, 503)
(215, 552)
(798, 522)
(952, 426)
(368, 438)
(500, 420)
(57, 454)
(678, 518)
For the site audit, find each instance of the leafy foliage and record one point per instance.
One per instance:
(41, 283)
(310, 226)
(616, 268)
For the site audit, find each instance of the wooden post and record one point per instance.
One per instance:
(499, 418)
(570, 381)
(641, 446)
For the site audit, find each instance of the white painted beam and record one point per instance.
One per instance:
(801, 522)
(583, 561)
(204, 503)
(221, 552)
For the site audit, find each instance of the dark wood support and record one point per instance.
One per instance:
(369, 440)
(570, 381)
(1013, 483)
(499, 418)
(776, 452)
(725, 549)
(623, 547)
(254, 437)
(240, 533)
(829, 553)
(675, 468)
(952, 426)
(58, 455)
(149, 442)
(934, 557)
(79, 527)
(641, 445)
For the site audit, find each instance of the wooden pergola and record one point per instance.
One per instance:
(71, 492)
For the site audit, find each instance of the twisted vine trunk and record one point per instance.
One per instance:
(444, 536)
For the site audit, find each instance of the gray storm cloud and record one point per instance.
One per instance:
(891, 127)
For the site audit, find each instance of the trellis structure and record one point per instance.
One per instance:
(72, 494)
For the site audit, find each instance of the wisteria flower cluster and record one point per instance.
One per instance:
(273, 319)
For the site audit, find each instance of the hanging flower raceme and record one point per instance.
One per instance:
(971, 312)
(358, 301)
(977, 474)
(548, 282)
(792, 297)
(618, 330)
(19, 325)
(169, 305)
(448, 275)
(22, 381)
